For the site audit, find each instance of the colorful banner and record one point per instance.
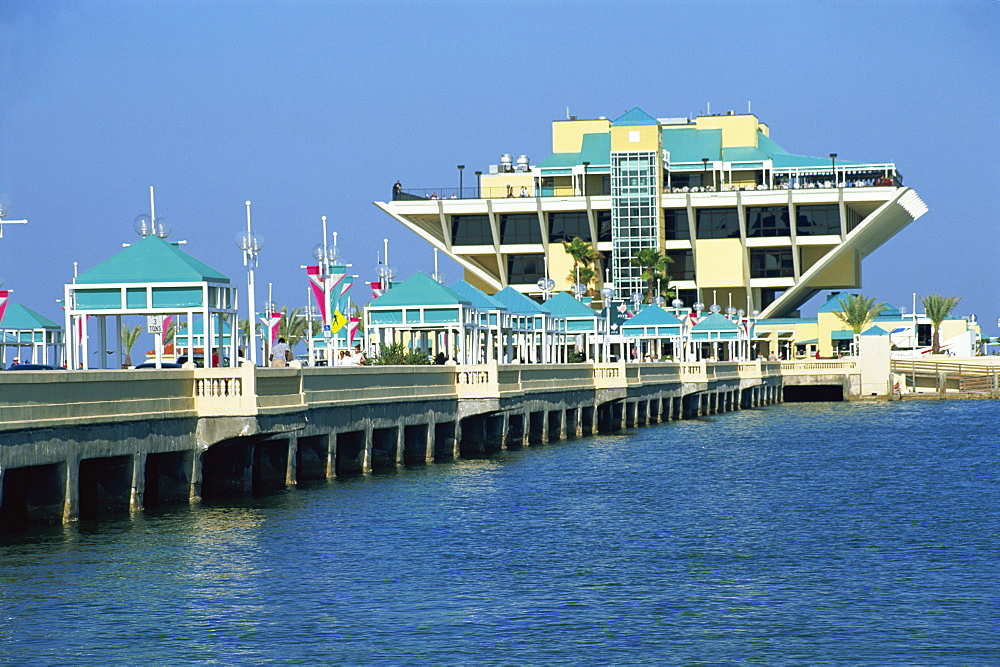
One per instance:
(352, 330)
(377, 290)
(166, 326)
(324, 285)
(4, 297)
(271, 323)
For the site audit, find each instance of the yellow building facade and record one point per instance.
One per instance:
(743, 221)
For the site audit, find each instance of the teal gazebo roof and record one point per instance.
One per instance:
(566, 305)
(419, 301)
(479, 299)
(715, 327)
(17, 317)
(419, 290)
(151, 260)
(651, 322)
(518, 303)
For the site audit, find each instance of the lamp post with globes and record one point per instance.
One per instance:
(326, 256)
(607, 293)
(681, 354)
(251, 244)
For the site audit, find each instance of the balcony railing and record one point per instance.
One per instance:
(798, 178)
(424, 194)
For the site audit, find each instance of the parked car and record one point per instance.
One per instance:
(35, 367)
(165, 364)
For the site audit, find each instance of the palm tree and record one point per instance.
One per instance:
(654, 265)
(293, 327)
(938, 309)
(857, 311)
(130, 335)
(584, 256)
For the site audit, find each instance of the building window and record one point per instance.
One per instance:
(817, 220)
(766, 221)
(520, 228)
(471, 230)
(604, 226)
(681, 266)
(718, 223)
(771, 263)
(635, 215)
(769, 296)
(675, 224)
(525, 269)
(568, 226)
(688, 296)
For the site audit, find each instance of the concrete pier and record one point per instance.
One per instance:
(83, 444)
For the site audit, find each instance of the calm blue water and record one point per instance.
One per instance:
(807, 533)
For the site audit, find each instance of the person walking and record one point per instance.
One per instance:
(281, 354)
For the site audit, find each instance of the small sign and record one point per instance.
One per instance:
(326, 327)
(154, 324)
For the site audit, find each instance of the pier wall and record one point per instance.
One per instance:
(79, 444)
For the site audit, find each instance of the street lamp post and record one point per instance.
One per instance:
(479, 182)
(251, 244)
(461, 170)
(704, 178)
(607, 293)
(681, 354)
(4, 212)
(583, 188)
(833, 167)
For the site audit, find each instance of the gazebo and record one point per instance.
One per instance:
(582, 322)
(425, 315)
(494, 332)
(538, 334)
(649, 329)
(35, 339)
(151, 278)
(712, 331)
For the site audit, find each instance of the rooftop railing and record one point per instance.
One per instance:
(792, 178)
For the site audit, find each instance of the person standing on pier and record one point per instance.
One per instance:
(280, 354)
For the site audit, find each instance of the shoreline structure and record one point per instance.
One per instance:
(81, 444)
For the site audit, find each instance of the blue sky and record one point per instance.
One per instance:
(312, 108)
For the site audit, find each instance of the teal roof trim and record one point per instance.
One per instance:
(595, 149)
(478, 298)
(686, 144)
(517, 303)
(559, 161)
(565, 305)
(768, 146)
(843, 334)
(635, 117)
(744, 154)
(151, 260)
(18, 317)
(715, 322)
(875, 331)
(419, 290)
(811, 341)
(833, 304)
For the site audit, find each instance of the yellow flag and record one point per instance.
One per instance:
(338, 321)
